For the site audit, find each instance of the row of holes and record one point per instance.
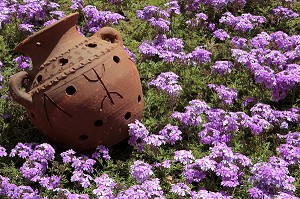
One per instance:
(64, 61)
(99, 123)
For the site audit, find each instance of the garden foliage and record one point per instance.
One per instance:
(221, 82)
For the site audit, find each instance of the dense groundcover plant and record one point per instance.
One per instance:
(221, 82)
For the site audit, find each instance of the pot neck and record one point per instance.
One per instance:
(51, 40)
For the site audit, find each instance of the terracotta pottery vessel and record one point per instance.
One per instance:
(81, 92)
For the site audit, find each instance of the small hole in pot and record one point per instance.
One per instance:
(91, 45)
(116, 59)
(70, 90)
(38, 44)
(106, 38)
(63, 61)
(83, 137)
(98, 123)
(139, 98)
(39, 78)
(127, 115)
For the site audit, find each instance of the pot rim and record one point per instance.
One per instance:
(30, 38)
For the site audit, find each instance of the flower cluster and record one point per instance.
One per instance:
(221, 161)
(226, 95)
(104, 184)
(14, 192)
(198, 21)
(141, 171)
(139, 136)
(170, 50)
(239, 42)
(36, 164)
(147, 190)
(222, 67)
(173, 7)
(270, 179)
(32, 14)
(82, 165)
(215, 5)
(192, 114)
(22, 62)
(208, 194)
(167, 82)
(2, 151)
(180, 189)
(221, 34)
(97, 19)
(264, 62)
(183, 156)
(284, 13)
(156, 16)
(243, 23)
(290, 151)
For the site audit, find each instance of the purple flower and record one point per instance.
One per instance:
(33, 170)
(101, 151)
(22, 61)
(98, 19)
(48, 23)
(271, 178)
(148, 189)
(181, 189)
(291, 149)
(227, 95)
(137, 132)
(192, 114)
(193, 173)
(173, 7)
(221, 34)
(82, 178)
(141, 171)
(2, 151)
(184, 156)
(22, 150)
(199, 55)
(77, 4)
(208, 194)
(26, 27)
(116, 1)
(50, 183)
(83, 164)
(105, 184)
(239, 42)
(165, 164)
(167, 82)
(284, 13)
(154, 140)
(199, 21)
(242, 23)
(43, 153)
(160, 24)
(68, 155)
(170, 134)
(222, 67)
(261, 40)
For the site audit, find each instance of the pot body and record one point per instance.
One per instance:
(82, 92)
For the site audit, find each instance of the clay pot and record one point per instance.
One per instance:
(81, 92)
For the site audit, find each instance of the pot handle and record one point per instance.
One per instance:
(15, 85)
(110, 34)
